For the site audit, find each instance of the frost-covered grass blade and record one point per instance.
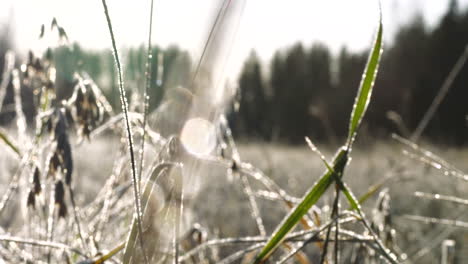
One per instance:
(340, 160)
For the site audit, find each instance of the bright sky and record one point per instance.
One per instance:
(265, 25)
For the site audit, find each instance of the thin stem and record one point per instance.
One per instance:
(440, 95)
(245, 182)
(77, 220)
(337, 224)
(40, 243)
(179, 203)
(253, 204)
(123, 101)
(219, 15)
(146, 93)
(333, 214)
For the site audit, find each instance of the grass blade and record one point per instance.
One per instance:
(9, 143)
(312, 196)
(156, 172)
(340, 160)
(149, 58)
(366, 85)
(440, 95)
(123, 100)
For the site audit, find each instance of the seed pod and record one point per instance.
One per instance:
(79, 100)
(38, 65)
(390, 238)
(59, 192)
(87, 106)
(234, 166)
(54, 164)
(61, 125)
(49, 125)
(62, 210)
(49, 54)
(41, 35)
(68, 114)
(30, 57)
(67, 161)
(36, 182)
(31, 201)
(49, 85)
(59, 198)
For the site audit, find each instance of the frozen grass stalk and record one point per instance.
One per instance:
(146, 93)
(123, 101)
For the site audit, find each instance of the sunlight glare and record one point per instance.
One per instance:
(198, 136)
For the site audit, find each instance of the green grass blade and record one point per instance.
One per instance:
(312, 196)
(365, 87)
(340, 160)
(373, 190)
(9, 143)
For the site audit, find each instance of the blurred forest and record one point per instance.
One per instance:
(303, 90)
(308, 91)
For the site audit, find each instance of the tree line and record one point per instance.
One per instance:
(303, 90)
(307, 91)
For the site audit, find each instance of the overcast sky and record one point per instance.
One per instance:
(265, 25)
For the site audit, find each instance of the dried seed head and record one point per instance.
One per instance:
(390, 238)
(62, 210)
(89, 110)
(61, 123)
(67, 112)
(54, 164)
(39, 75)
(31, 201)
(79, 101)
(49, 54)
(36, 181)
(62, 155)
(49, 124)
(59, 192)
(30, 57)
(234, 166)
(59, 198)
(64, 148)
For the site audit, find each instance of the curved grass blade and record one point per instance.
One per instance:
(156, 172)
(366, 85)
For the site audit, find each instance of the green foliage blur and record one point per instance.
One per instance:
(100, 67)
